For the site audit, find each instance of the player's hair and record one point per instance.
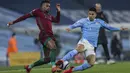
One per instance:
(92, 9)
(45, 1)
(13, 34)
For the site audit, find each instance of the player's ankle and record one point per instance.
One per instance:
(53, 63)
(29, 66)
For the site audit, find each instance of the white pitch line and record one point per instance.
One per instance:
(22, 70)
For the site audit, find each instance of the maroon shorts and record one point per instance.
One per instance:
(45, 38)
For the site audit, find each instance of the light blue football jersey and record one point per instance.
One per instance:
(90, 29)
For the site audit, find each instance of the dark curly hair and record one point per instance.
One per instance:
(92, 9)
(44, 1)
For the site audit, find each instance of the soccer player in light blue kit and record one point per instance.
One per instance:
(90, 30)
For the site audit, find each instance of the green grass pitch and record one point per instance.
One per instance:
(119, 67)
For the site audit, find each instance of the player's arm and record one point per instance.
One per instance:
(28, 15)
(57, 18)
(105, 25)
(75, 25)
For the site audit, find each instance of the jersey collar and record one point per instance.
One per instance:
(89, 20)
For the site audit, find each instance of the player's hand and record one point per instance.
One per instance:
(10, 23)
(58, 7)
(68, 29)
(124, 28)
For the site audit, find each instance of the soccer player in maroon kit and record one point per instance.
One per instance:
(44, 22)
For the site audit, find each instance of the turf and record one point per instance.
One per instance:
(120, 67)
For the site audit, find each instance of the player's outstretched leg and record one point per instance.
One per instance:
(86, 65)
(71, 54)
(41, 61)
(37, 63)
(67, 57)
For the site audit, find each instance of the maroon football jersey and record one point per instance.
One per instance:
(44, 22)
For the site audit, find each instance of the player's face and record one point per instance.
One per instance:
(91, 15)
(46, 7)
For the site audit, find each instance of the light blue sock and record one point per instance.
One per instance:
(82, 67)
(70, 55)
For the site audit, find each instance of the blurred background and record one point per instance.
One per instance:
(117, 12)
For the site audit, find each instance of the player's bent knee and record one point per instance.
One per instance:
(80, 48)
(51, 44)
(91, 62)
(91, 59)
(52, 47)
